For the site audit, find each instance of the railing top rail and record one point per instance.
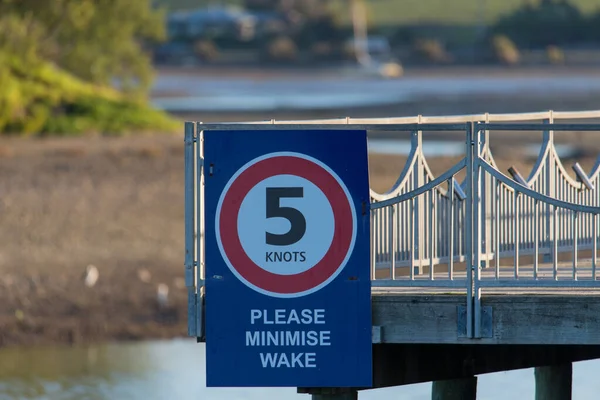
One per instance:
(373, 127)
(537, 127)
(536, 195)
(485, 117)
(420, 190)
(576, 114)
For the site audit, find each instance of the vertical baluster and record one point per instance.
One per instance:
(498, 202)
(373, 242)
(536, 234)
(531, 219)
(385, 243)
(459, 232)
(430, 233)
(516, 231)
(555, 244)
(451, 228)
(584, 224)
(412, 239)
(375, 238)
(575, 236)
(436, 227)
(594, 244)
(378, 235)
(392, 242)
(407, 234)
(507, 221)
(399, 231)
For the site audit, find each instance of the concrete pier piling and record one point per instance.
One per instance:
(336, 395)
(554, 382)
(455, 389)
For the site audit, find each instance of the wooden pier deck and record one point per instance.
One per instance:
(432, 325)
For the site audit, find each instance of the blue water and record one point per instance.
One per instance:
(402, 147)
(204, 94)
(176, 370)
(439, 148)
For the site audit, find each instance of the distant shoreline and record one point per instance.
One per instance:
(266, 92)
(310, 72)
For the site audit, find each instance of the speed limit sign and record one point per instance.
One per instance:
(285, 224)
(287, 280)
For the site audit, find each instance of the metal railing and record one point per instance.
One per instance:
(486, 231)
(419, 224)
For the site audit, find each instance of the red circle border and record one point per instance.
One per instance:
(343, 224)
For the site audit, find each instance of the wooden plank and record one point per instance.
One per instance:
(544, 319)
(549, 318)
(408, 318)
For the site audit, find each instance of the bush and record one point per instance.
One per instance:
(206, 50)
(37, 98)
(431, 50)
(280, 49)
(555, 55)
(504, 50)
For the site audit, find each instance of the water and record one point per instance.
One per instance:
(402, 147)
(197, 93)
(176, 369)
(443, 148)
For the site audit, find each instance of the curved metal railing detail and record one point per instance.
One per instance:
(417, 225)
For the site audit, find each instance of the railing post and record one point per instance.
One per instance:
(550, 190)
(487, 198)
(189, 227)
(469, 228)
(419, 212)
(478, 216)
(200, 231)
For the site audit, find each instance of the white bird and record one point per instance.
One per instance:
(91, 275)
(162, 295)
(179, 283)
(144, 275)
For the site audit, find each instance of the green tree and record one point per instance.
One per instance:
(99, 41)
(549, 22)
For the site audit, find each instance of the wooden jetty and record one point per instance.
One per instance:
(492, 273)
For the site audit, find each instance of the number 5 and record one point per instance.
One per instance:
(295, 217)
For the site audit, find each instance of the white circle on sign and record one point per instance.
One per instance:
(253, 225)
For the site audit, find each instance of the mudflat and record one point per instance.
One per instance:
(117, 204)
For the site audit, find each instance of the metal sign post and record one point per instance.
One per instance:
(288, 290)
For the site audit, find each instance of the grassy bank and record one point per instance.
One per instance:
(36, 98)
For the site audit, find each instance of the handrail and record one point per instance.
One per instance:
(502, 117)
(399, 127)
(536, 195)
(562, 127)
(425, 188)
